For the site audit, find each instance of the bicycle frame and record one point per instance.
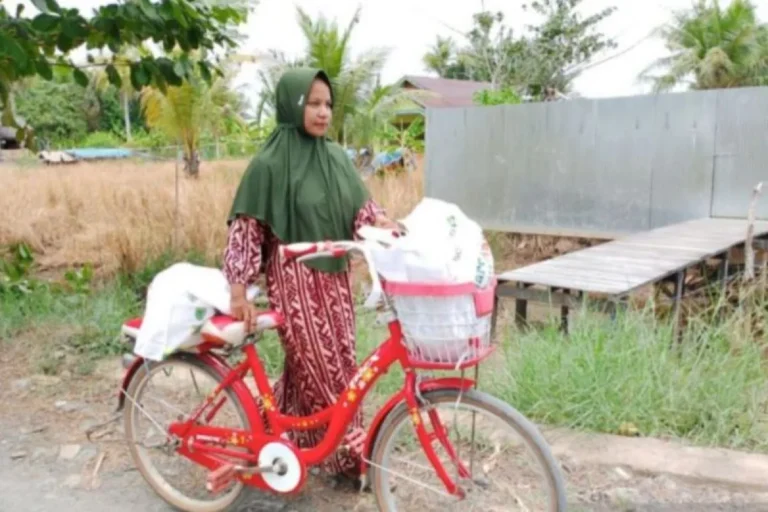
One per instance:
(336, 417)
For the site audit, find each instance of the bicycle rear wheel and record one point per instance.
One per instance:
(159, 394)
(403, 479)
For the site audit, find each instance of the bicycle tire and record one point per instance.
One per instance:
(508, 414)
(184, 503)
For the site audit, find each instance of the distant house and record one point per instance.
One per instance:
(8, 138)
(438, 92)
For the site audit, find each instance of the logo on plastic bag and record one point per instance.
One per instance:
(484, 267)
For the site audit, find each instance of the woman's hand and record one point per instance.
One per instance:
(384, 222)
(241, 309)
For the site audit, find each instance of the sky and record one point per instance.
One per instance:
(409, 27)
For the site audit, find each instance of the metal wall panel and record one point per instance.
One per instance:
(623, 161)
(741, 154)
(523, 151)
(445, 153)
(682, 145)
(551, 196)
(601, 167)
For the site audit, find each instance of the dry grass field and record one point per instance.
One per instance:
(118, 216)
(121, 215)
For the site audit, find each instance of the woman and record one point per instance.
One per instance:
(303, 188)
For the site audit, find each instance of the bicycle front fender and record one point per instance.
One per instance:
(424, 386)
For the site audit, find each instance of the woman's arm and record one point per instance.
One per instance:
(371, 214)
(242, 260)
(242, 257)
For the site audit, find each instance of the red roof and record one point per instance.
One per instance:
(448, 92)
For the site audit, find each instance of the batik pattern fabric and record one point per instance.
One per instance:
(318, 336)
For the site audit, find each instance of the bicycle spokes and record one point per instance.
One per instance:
(170, 393)
(486, 460)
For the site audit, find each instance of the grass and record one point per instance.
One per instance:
(63, 331)
(630, 376)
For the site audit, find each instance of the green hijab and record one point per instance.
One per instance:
(305, 188)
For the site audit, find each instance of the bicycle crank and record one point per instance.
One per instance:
(218, 480)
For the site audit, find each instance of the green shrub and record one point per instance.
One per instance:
(101, 140)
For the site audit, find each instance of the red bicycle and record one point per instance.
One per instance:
(230, 447)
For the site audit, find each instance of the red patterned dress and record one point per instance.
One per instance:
(319, 332)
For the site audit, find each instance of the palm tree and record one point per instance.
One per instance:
(121, 63)
(374, 114)
(269, 77)
(712, 48)
(441, 58)
(185, 112)
(327, 47)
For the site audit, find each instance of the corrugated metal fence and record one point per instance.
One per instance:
(601, 167)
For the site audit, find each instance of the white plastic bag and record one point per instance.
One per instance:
(442, 245)
(180, 300)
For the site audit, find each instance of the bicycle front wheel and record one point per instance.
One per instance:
(497, 457)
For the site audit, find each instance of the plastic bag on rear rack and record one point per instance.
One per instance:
(180, 300)
(440, 280)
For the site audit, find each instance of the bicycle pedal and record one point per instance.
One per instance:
(218, 479)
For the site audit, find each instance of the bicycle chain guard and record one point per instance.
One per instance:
(293, 471)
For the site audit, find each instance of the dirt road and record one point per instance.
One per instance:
(48, 465)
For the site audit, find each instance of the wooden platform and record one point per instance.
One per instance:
(617, 268)
(621, 266)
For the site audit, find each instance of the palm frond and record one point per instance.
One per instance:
(717, 47)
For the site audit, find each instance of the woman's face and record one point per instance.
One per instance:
(318, 110)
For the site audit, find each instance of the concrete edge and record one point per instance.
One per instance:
(728, 468)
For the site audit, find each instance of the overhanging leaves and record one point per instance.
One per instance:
(188, 24)
(45, 22)
(29, 46)
(114, 77)
(46, 6)
(80, 78)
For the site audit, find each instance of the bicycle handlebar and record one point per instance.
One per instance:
(304, 251)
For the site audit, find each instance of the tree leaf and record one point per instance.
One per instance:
(41, 5)
(74, 28)
(80, 77)
(180, 69)
(166, 67)
(178, 14)
(64, 42)
(12, 49)
(46, 5)
(205, 72)
(114, 76)
(139, 76)
(44, 68)
(45, 22)
(150, 11)
(168, 44)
